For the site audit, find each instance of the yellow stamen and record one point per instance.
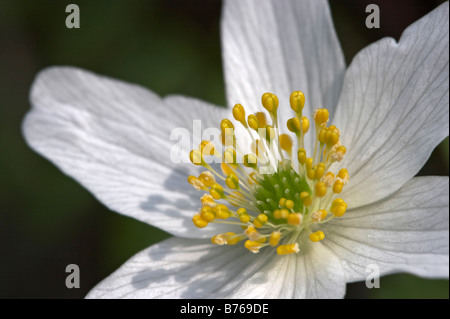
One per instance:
(221, 211)
(208, 200)
(338, 207)
(286, 143)
(239, 114)
(196, 183)
(207, 178)
(297, 101)
(287, 249)
(306, 198)
(207, 214)
(199, 221)
(317, 236)
(301, 155)
(253, 246)
(260, 220)
(207, 148)
(321, 117)
(196, 157)
(319, 215)
(294, 219)
(321, 189)
(270, 102)
(244, 217)
(252, 233)
(232, 181)
(261, 119)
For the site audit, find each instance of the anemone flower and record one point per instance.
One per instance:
(305, 209)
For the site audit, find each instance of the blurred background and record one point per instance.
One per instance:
(47, 220)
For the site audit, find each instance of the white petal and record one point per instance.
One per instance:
(280, 47)
(394, 108)
(407, 232)
(114, 138)
(314, 273)
(188, 268)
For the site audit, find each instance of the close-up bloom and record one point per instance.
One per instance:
(310, 181)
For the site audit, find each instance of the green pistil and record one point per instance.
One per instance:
(285, 183)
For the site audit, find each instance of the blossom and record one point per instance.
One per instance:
(391, 108)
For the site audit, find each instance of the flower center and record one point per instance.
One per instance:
(278, 199)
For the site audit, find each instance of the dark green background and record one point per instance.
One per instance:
(47, 220)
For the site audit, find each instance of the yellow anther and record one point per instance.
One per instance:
(305, 124)
(338, 186)
(321, 189)
(270, 102)
(274, 238)
(216, 191)
(260, 220)
(232, 181)
(253, 246)
(226, 239)
(207, 178)
(280, 213)
(199, 221)
(317, 236)
(262, 119)
(328, 179)
(287, 249)
(206, 147)
(239, 114)
(230, 156)
(333, 135)
(306, 198)
(321, 116)
(282, 201)
(343, 174)
(244, 217)
(319, 215)
(309, 162)
(207, 214)
(252, 233)
(329, 135)
(289, 204)
(253, 122)
(338, 207)
(208, 200)
(297, 101)
(226, 169)
(311, 172)
(233, 239)
(294, 219)
(337, 152)
(226, 126)
(270, 133)
(196, 157)
(301, 155)
(319, 171)
(221, 211)
(219, 239)
(196, 183)
(293, 125)
(286, 143)
(250, 160)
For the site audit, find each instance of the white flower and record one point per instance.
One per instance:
(391, 106)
